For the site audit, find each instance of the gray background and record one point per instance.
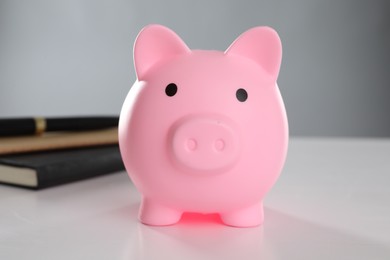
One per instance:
(74, 57)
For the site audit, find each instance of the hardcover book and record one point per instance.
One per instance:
(50, 168)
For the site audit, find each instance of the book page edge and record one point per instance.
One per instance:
(18, 176)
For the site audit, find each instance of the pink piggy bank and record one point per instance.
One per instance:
(204, 131)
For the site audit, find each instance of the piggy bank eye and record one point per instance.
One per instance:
(241, 95)
(171, 89)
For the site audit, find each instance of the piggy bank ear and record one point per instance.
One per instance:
(262, 45)
(155, 43)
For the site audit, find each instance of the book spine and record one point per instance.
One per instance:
(82, 168)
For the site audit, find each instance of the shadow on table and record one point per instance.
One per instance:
(282, 237)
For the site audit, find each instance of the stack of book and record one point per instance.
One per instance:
(37, 154)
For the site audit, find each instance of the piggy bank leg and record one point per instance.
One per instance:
(154, 214)
(244, 217)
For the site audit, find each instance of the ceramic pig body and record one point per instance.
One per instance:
(204, 131)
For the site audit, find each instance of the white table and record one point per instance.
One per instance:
(331, 202)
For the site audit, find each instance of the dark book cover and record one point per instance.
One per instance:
(44, 169)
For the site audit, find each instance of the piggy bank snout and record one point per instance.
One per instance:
(205, 144)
